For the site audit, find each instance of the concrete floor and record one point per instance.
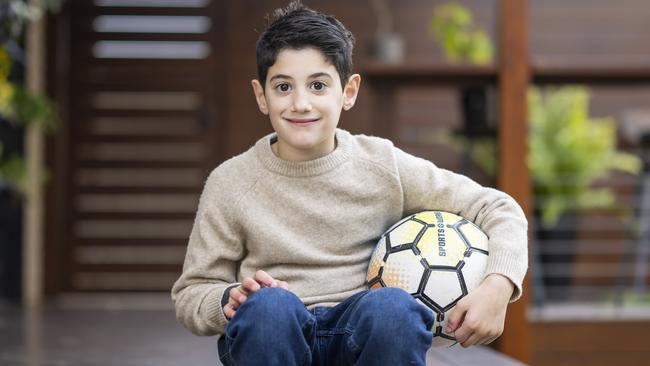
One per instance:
(99, 338)
(77, 333)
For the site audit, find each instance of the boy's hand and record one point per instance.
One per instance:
(239, 294)
(479, 317)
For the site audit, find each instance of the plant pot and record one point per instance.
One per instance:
(555, 254)
(478, 109)
(387, 48)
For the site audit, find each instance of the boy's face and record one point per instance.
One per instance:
(304, 99)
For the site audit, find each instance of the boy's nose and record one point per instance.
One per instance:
(301, 103)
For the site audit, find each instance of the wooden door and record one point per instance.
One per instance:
(142, 103)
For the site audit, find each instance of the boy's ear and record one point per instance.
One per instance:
(258, 90)
(351, 91)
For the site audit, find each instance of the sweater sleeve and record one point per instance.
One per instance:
(427, 187)
(214, 250)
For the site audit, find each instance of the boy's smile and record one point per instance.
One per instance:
(303, 98)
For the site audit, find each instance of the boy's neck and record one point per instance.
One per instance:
(291, 155)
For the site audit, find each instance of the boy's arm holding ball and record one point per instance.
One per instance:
(479, 317)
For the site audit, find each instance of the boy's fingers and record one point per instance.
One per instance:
(228, 311)
(471, 341)
(234, 304)
(455, 318)
(265, 279)
(237, 295)
(463, 333)
(283, 284)
(250, 285)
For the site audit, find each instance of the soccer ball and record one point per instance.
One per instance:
(437, 257)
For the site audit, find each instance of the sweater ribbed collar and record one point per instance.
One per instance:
(304, 168)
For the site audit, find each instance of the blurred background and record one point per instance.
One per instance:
(113, 112)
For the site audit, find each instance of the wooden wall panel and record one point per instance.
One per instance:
(597, 32)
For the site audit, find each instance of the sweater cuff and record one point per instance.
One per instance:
(510, 267)
(213, 310)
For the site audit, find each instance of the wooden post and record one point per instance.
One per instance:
(33, 225)
(514, 75)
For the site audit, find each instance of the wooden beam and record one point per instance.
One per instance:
(33, 218)
(514, 75)
(590, 74)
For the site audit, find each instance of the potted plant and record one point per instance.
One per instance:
(568, 152)
(452, 25)
(19, 109)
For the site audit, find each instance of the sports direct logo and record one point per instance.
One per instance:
(441, 235)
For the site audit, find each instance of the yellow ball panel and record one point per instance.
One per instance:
(449, 218)
(405, 233)
(441, 246)
(475, 236)
(427, 216)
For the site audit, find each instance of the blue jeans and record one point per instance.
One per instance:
(377, 327)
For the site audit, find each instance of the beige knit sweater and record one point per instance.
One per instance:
(314, 224)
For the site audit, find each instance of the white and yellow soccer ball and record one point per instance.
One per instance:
(438, 257)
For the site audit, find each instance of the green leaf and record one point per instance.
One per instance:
(481, 51)
(596, 198)
(452, 25)
(34, 109)
(13, 172)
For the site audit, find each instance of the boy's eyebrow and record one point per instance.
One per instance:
(280, 76)
(312, 76)
(320, 74)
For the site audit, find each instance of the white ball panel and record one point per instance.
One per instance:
(474, 270)
(404, 270)
(443, 287)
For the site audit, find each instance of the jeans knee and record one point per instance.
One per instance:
(388, 299)
(271, 302)
(394, 307)
(273, 306)
(272, 325)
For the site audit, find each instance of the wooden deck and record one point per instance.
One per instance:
(143, 335)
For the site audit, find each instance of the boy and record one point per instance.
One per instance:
(278, 253)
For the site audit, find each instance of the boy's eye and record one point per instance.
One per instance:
(284, 87)
(318, 86)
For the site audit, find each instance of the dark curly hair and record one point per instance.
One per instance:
(297, 27)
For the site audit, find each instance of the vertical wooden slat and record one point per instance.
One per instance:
(57, 189)
(513, 172)
(34, 154)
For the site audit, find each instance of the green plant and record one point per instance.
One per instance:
(18, 106)
(461, 40)
(569, 151)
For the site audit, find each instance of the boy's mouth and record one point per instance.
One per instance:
(301, 120)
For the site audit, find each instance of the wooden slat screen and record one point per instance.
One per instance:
(144, 109)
